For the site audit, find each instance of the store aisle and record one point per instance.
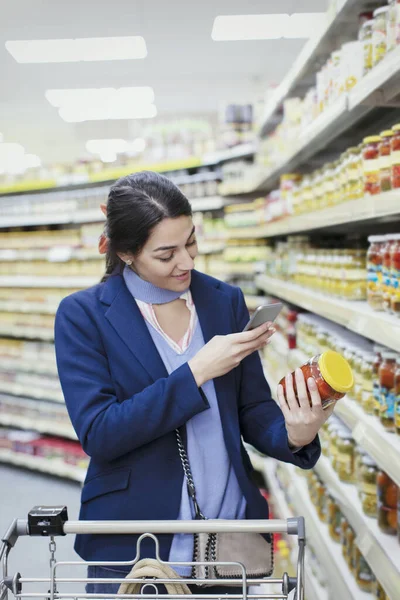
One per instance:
(21, 490)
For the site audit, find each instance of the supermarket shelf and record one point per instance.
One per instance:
(356, 316)
(19, 389)
(355, 211)
(39, 425)
(207, 203)
(237, 268)
(53, 466)
(30, 333)
(381, 551)
(383, 446)
(211, 247)
(380, 85)
(47, 282)
(240, 151)
(339, 578)
(28, 366)
(322, 43)
(28, 307)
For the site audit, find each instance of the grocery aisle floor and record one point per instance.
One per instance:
(20, 491)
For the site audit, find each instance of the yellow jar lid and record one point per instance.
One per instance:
(371, 139)
(336, 371)
(396, 127)
(387, 133)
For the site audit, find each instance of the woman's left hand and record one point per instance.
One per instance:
(302, 420)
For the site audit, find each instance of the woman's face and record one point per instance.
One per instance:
(167, 259)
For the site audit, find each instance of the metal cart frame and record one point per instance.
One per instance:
(54, 521)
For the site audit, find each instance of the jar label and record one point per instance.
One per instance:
(385, 163)
(387, 403)
(371, 167)
(397, 419)
(395, 156)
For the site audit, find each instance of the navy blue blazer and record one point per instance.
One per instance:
(125, 407)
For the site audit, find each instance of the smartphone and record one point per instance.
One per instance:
(263, 314)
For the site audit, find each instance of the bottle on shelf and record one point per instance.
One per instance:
(368, 486)
(374, 272)
(387, 499)
(387, 389)
(395, 275)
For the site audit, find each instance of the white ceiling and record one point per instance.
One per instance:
(190, 73)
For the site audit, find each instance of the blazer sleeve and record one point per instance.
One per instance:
(109, 427)
(261, 419)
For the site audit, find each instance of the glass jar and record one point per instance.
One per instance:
(369, 487)
(344, 525)
(378, 350)
(387, 390)
(397, 396)
(332, 374)
(333, 437)
(395, 152)
(364, 576)
(359, 454)
(379, 35)
(366, 34)
(386, 272)
(354, 176)
(345, 455)
(371, 165)
(358, 377)
(395, 275)
(387, 503)
(391, 25)
(374, 271)
(367, 391)
(334, 518)
(385, 160)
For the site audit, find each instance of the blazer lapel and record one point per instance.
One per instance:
(125, 317)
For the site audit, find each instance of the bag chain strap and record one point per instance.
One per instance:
(211, 547)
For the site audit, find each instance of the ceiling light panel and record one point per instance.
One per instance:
(77, 50)
(266, 26)
(100, 96)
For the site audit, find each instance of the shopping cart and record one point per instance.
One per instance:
(53, 521)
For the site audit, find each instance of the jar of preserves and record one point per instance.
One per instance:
(379, 35)
(391, 25)
(354, 174)
(369, 487)
(385, 160)
(332, 374)
(344, 525)
(397, 396)
(374, 271)
(345, 455)
(334, 518)
(386, 382)
(363, 574)
(386, 272)
(321, 501)
(359, 454)
(366, 34)
(358, 377)
(395, 275)
(378, 350)
(395, 152)
(387, 503)
(371, 165)
(333, 437)
(367, 391)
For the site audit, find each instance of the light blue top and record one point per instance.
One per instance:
(218, 492)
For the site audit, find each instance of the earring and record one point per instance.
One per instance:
(128, 262)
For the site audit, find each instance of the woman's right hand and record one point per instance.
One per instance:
(225, 352)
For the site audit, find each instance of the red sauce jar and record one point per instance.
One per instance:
(371, 165)
(386, 272)
(387, 496)
(374, 269)
(395, 156)
(332, 374)
(385, 171)
(387, 389)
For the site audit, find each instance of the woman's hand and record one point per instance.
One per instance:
(225, 352)
(302, 420)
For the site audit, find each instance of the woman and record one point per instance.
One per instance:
(158, 346)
